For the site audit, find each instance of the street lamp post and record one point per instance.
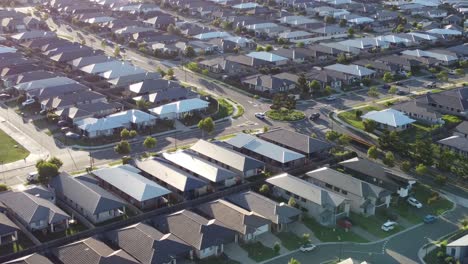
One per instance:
(341, 248)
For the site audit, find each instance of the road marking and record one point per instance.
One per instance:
(363, 252)
(384, 246)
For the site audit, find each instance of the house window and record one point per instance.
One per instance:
(336, 189)
(328, 185)
(344, 192)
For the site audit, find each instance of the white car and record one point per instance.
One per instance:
(389, 225)
(32, 176)
(414, 202)
(260, 115)
(331, 98)
(307, 247)
(28, 102)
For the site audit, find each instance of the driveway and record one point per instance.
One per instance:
(235, 252)
(298, 228)
(269, 240)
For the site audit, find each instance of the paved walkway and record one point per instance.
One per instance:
(269, 240)
(299, 229)
(36, 150)
(235, 252)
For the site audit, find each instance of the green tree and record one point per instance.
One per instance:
(387, 77)
(459, 72)
(132, 133)
(293, 261)
(372, 152)
(373, 92)
(302, 84)
(393, 90)
(342, 23)
(441, 179)
(193, 66)
(463, 63)
(422, 151)
(170, 72)
(332, 135)
(369, 125)
(189, 52)
(344, 140)
(341, 58)
(160, 71)
(351, 32)
(150, 142)
(260, 48)
(421, 169)
(442, 75)
(265, 129)
(314, 86)
(206, 125)
(268, 47)
(358, 114)
(389, 159)
(117, 51)
(328, 90)
(305, 238)
(122, 148)
(405, 166)
(329, 19)
(265, 189)
(46, 171)
(444, 160)
(277, 247)
(124, 134)
(3, 187)
(56, 161)
(464, 223)
(399, 29)
(205, 71)
(292, 202)
(300, 44)
(142, 104)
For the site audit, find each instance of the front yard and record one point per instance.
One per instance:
(372, 224)
(332, 234)
(10, 150)
(289, 240)
(258, 252)
(350, 117)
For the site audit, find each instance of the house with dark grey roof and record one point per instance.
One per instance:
(148, 245)
(31, 259)
(455, 143)
(462, 129)
(222, 65)
(401, 63)
(88, 60)
(54, 91)
(136, 189)
(268, 83)
(322, 204)
(419, 111)
(91, 251)
(8, 230)
(85, 195)
(34, 212)
(272, 154)
(79, 112)
(41, 192)
(280, 214)
(178, 181)
(246, 224)
(227, 158)
(71, 99)
(364, 197)
(27, 77)
(207, 237)
(453, 102)
(218, 176)
(378, 175)
(310, 147)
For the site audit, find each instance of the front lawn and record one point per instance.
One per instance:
(225, 109)
(285, 115)
(289, 240)
(372, 224)
(258, 252)
(350, 117)
(219, 260)
(10, 150)
(423, 193)
(332, 234)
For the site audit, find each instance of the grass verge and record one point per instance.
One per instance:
(289, 240)
(330, 234)
(258, 252)
(10, 150)
(285, 115)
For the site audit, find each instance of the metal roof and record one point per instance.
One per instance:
(390, 117)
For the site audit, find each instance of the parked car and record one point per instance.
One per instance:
(331, 98)
(62, 123)
(345, 223)
(412, 201)
(260, 115)
(389, 225)
(429, 219)
(32, 176)
(431, 85)
(72, 135)
(65, 129)
(43, 112)
(314, 116)
(386, 86)
(400, 92)
(4, 96)
(28, 102)
(307, 247)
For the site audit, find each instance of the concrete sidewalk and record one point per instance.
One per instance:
(35, 149)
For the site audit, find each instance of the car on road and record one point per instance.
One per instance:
(72, 135)
(389, 225)
(314, 116)
(28, 102)
(307, 247)
(412, 201)
(32, 176)
(4, 96)
(331, 98)
(400, 83)
(260, 115)
(431, 85)
(429, 219)
(400, 92)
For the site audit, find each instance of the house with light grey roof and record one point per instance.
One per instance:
(8, 230)
(227, 158)
(31, 259)
(247, 224)
(207, 237)
(148, 245)
(91, 251)
(351, 72)
(85, 195)
(85, 61)
(34, 212)
(218, 176)
(364, 197)
(126, 181)
(323, 205)
(178, 181)
(281, 215)
(274, 155)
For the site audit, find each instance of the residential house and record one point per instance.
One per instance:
(27, 77)
(35, 212)
(389, 119)
(218, 176)
(452, 20)
(351, 72)
(364, 197)
(295, 36)
(247, 225)
(432, 57)
(207, 237)
(293, 54)
(181, 183)
(222, 65)
(84, 195)
(136, 189)
(456, 143)
(312, 148)
(462, 129)
(100, 109)
(458, 249)
(332, 31)
(91, 251)
(251, 62)
(8, 230)
(34, 34)
(71, 99)
(453, 102)
(380, 68)
(269, 83)
(419, 111)
(323, 205)
(148, 245)
(268, 57)
(399, 62)
(227, 158)
(365, 44)
(378, 175)
(31, 259)
(436, 13)
(271, 154)
(180, 109)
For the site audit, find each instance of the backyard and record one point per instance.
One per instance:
(332, 234)
(22, 243)
(352, 119)
(10, 150)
